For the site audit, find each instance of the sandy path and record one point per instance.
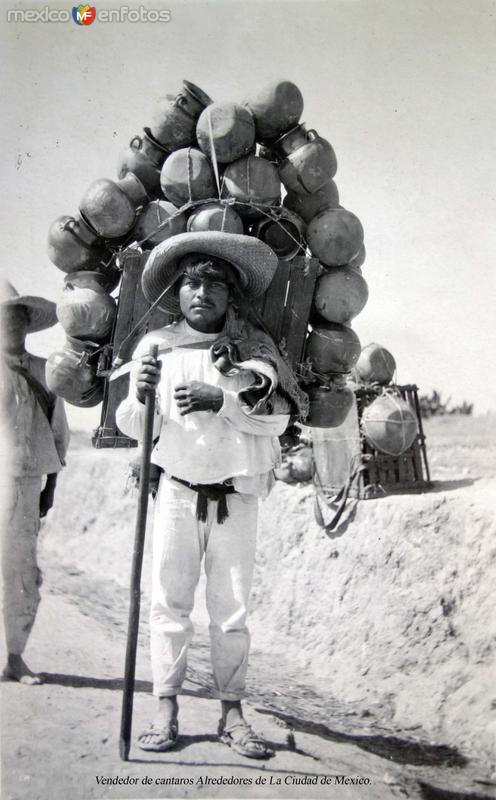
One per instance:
(60, 739)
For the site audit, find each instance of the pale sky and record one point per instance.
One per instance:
(404, 91)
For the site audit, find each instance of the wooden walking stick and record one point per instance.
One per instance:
(135, 589)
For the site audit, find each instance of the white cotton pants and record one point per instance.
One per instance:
(21, 576)
(180, 541)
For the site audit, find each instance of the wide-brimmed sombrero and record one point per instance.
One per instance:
(41, 312)
(253, 260)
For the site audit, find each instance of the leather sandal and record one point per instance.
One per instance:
(243, 739)
(166, 737)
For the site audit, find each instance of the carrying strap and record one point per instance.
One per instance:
(126, 368)
(338, 503)
(44, 398)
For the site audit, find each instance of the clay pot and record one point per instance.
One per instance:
(174, 121)
(215, 217)
(71, 374)
(187, 175)
(358, 260)
(297, 466)
(390, 424)
(144, 158)
(229, 128)
(375, 365)
(158, 221)
(110, 207)
(307, 206)
(329, 405)
(284, 233)
(335, 236)
(283, 473)
(301, 464)
(252, 181)
(291, 141)
(72, 245)
(340, 295)
(133, 189)
(276, 108)
(108, 276)
(268, 153)
(310, 161)
(290, 438)
(85, 310)
(332, 348)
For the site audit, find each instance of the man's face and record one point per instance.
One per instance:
(204, 303)
(15, 323)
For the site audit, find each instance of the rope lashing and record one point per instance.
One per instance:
(213, 154)
(229, 201)
(188, 162)
(394, 422)
(118, 360)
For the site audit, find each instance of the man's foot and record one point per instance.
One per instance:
(234, 731)
(159, 739)
(17, 670)
(242, 738)
(162, 734)
(232, 712)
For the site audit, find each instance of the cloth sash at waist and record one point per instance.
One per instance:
(206, 492)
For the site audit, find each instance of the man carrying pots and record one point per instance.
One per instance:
(37, 434)
(224, 395)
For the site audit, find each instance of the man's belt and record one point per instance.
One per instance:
(206, 492)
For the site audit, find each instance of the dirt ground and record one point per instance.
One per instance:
(353, 708)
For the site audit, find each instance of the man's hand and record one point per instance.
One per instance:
(47, 495)
(147, 377)
(198, 396)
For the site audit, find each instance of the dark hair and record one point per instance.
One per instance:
(199, 265)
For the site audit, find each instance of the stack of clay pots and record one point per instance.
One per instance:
(388, 423)
(249, 167)
(84, 246)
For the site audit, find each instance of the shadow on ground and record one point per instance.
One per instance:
(434, 793)
(449, 486)
(112, 684)
(402, 751)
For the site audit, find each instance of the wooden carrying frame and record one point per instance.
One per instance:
(131, 306)
(284, 309)
(385, 474)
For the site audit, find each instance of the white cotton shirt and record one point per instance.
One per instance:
(204, 446)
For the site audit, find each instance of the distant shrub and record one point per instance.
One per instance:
(433, 405)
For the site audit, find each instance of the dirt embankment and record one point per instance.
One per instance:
(399, 611)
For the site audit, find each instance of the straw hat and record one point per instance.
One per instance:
(253, 260)
(41, 312)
